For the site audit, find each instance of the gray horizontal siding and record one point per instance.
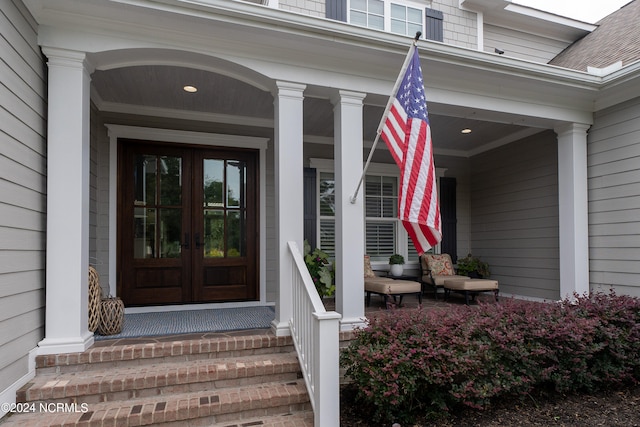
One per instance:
(614, 199)
(522, 45)
(22, 191)
(514, 215)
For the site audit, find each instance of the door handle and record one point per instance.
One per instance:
(186, 241)
(197, 239)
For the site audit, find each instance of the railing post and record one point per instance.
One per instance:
(327, 368)
(316, 337)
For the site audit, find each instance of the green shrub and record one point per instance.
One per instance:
(406, 364)
(320, 269)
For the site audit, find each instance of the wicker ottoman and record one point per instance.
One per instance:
(470, 287)
(390, 287)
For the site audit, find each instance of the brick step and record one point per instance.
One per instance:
(105, 356)
(268, 404)
(123, 383)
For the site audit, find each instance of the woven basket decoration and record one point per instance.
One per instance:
(95, 296)
(111, 316)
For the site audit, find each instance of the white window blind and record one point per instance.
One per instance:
(327, 205)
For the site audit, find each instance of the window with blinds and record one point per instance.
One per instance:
(384, 234)
(381, 213)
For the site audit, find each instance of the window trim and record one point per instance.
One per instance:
(387, 15)
(387, 169)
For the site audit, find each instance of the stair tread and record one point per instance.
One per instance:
(173, 407)
(164, 368)
(127, 351)
(157, 375)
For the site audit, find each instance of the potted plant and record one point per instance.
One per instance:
(321, 271)
(396, 262)
(473, 267)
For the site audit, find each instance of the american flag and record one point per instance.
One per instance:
(406, 131)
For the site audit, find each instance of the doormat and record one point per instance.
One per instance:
(193, 321)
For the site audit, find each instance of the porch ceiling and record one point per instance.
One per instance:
(226, 100)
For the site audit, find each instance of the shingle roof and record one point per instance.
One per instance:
(617, 38)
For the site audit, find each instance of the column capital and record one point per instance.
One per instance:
(67, 58)
(565, 128)
(289, 89)
(347, 97)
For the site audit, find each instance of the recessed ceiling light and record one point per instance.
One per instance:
(190, 89)
(466, 130)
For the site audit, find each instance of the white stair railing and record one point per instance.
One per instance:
(315, 333)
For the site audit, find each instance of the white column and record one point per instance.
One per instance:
(288, 192)
(349, 216)
(66, 312)
(573, 209)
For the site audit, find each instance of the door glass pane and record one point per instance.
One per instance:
(170, 233)
(213, 180)
(170, 180)
(236, 183)
(213, 233)
(144, 179)
(144, 234)
(236, 226)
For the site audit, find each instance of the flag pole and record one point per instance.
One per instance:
(353, 198)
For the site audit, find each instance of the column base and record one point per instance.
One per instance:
(65, 345)
(349, 324)
(280, 329)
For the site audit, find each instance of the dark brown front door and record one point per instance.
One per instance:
(186, 224)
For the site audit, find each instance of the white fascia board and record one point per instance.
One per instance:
(540, 112)
(619, 86)
(327, 47)
(251, 21)
(541, 15)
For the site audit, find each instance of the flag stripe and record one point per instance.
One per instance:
(407, 133)
(393, 132)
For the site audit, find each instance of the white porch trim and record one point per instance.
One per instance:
(182, 137)
(289, 193)
(348, 118)
(573, 209)
(66, 314)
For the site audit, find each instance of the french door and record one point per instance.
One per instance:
(187, 229)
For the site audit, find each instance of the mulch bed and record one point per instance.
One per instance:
(610, 408)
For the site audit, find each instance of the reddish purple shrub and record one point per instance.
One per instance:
(409, 363)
